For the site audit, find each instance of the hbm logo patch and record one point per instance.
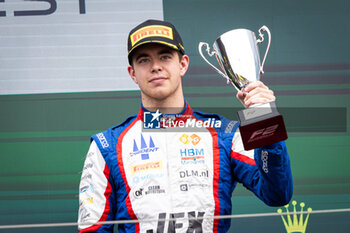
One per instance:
(145, 149)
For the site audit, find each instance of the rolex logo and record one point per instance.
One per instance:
(292, 223)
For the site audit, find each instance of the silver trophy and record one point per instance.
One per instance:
(238, 56)
(237, 53)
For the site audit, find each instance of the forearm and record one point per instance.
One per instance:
(275, 183)
(94, 193)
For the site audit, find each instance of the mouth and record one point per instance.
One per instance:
(157, 79)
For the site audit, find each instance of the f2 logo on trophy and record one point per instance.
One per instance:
(238, 56)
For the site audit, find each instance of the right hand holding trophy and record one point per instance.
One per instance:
(238, 56)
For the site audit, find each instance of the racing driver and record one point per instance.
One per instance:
(172, 171)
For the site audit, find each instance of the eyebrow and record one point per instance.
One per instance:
(141, 55)
(163, 51)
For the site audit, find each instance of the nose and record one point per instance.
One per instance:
(156, 66)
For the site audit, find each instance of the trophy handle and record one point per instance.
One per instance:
(200, 45)
(260, 40)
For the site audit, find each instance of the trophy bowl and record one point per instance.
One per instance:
(237, 53)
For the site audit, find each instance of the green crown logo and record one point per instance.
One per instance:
(294, 225)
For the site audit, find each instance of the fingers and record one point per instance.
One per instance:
(254, 85)
(241, 95)
(256, 93)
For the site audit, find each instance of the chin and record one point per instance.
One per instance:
(159, 96)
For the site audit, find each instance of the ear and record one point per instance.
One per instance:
(184, 62)
(131, 72)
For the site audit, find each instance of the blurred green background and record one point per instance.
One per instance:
(44, 137)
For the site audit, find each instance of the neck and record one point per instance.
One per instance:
(168, 106)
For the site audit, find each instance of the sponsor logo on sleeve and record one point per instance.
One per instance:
(86, 177)
(90, 154)
(84, 215)
(89, 200)
(88, 166)
(101, 137)
(87, 188)
(264, 158)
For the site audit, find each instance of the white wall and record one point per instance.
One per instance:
(65, 49)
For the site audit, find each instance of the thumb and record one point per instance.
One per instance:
(240, 95)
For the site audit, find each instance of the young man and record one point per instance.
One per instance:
(186, 175)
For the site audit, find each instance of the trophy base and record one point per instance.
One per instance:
(261, 125)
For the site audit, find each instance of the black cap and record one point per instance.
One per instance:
(154, 31)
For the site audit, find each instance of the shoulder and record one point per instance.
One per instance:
(106, 140)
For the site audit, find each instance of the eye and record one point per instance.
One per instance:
(165, 57)
(143, 60)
